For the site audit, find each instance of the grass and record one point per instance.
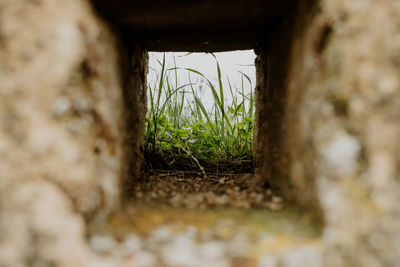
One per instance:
(182, 130)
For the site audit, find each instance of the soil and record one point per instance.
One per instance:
(222, 185)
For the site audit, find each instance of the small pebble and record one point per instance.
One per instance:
(145, 259)
(274, 206)
(61, 106)
(102, 243)
(276, 199)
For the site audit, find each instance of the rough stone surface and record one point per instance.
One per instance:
(134, 71)
(333, 139)
(283, 157)
(60, 130)
(177, 25)
(39, 227)
(60, 100)
(72, 103)
(355, 80)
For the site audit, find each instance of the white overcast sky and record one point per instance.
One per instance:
(230, 63)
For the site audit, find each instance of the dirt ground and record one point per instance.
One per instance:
(195, 189)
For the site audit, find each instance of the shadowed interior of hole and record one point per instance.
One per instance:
(273, 119)
(190, 157)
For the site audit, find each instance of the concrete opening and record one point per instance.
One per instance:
(271, 30)
(206, 102)
(199, 126)
(279, 173)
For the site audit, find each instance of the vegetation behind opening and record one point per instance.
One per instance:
(182, 131)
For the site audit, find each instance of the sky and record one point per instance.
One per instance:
(230, 63)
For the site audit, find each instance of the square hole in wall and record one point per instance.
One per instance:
(200, 110)
(199, 131)
(199, 142)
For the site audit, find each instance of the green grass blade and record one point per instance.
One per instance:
(169, 97)
(247, 77)
(251, 108)
(203, 109)
(161, 82)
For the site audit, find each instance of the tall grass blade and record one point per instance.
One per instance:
(203, 109)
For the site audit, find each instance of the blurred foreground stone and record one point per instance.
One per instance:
(72, 103)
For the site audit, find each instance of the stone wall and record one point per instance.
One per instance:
(134, 70)
(61, 107)
(72, 103)
(331, 140)
(351, 110)
(283, 156)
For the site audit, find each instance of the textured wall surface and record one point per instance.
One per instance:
(134, 71)
(331, 141)
(351, 109)
(279, 97)
(72, 103)
(60, 130)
